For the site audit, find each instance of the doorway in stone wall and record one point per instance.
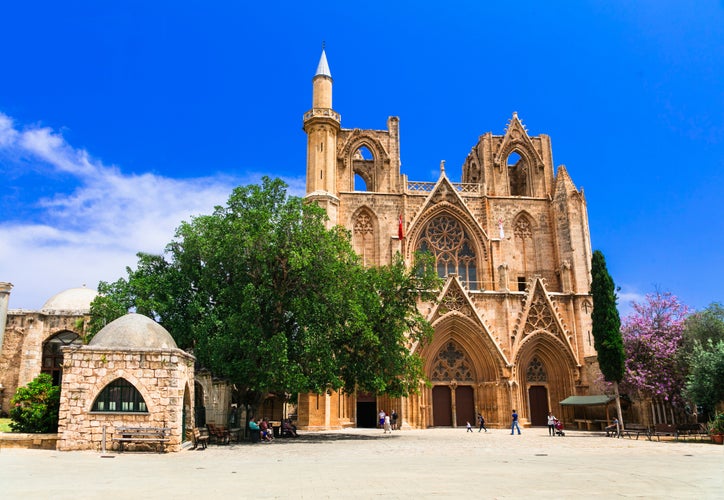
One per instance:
(538, 400)
(366, 410)
(441, 406)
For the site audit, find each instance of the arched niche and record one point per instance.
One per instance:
(365, 236)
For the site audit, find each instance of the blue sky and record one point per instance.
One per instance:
(118, 120)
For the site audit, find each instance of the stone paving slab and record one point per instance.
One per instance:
(364, 463)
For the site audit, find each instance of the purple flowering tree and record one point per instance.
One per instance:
(652, 336)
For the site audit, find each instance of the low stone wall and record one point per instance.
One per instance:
(29, 441)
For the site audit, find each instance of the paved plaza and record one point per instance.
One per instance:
(365, 463)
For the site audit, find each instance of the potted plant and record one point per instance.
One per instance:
(716, 428)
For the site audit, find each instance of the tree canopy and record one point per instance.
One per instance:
(703, 351)
(272, 300)
(652, 337)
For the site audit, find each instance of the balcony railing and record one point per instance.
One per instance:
(426, 187)
(322, 113)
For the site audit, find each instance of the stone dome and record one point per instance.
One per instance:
(73, 299)
(133, 331)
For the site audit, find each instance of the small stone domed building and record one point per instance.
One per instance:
(130, 374)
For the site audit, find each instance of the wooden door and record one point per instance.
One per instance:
(464, 406)
(441, 406)
(538, 399)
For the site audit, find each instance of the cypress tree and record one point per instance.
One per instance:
(606, 330)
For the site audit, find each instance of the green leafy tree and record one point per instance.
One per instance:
(702, 350)
(704, 325)
(35, 406)
(705, 381)
(271, 299)
(606, 328)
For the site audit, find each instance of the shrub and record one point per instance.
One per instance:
(34, 408)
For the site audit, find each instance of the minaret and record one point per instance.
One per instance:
(322, 124)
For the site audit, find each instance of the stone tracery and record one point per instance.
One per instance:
(454, 251)
(451, 363)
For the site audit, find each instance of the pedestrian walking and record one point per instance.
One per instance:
(514, 425)
(481, 423)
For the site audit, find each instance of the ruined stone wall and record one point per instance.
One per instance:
(164, 377)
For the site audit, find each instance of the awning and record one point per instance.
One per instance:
(601, 399)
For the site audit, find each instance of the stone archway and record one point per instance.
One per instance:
(546, 374)
(464, 367)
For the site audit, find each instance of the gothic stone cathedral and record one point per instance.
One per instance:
(513, 321)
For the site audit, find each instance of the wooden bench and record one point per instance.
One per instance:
(636, 430)
(664, 430)
(691, 430)
(151, 435)
(583, 423)
(200, 439)
(219, 434)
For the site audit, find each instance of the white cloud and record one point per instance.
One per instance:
(94, 232)
(626, 297)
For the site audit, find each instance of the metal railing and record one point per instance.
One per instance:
(426, 187)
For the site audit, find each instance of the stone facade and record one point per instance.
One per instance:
(26, 333)
(513, 322)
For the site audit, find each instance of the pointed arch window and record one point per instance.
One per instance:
(363, 167)
(120, 396)
(454, 251)
(517, 174)
(52, 362)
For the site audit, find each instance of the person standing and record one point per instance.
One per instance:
(481, 423)
(514, 425)
(551, 424)
(393, 418)
(382, 418)
(388, 425)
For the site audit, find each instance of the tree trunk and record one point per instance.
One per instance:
(618, 410)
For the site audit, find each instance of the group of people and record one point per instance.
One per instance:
(388, 422)
(266, 431)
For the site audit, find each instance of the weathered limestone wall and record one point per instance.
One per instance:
(22, 349)
(164, 377)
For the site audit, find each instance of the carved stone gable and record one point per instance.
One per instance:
(540, 316)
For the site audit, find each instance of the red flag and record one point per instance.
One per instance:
(400, 233)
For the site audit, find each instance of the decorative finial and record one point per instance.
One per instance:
(324, 44)
(442, 165)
